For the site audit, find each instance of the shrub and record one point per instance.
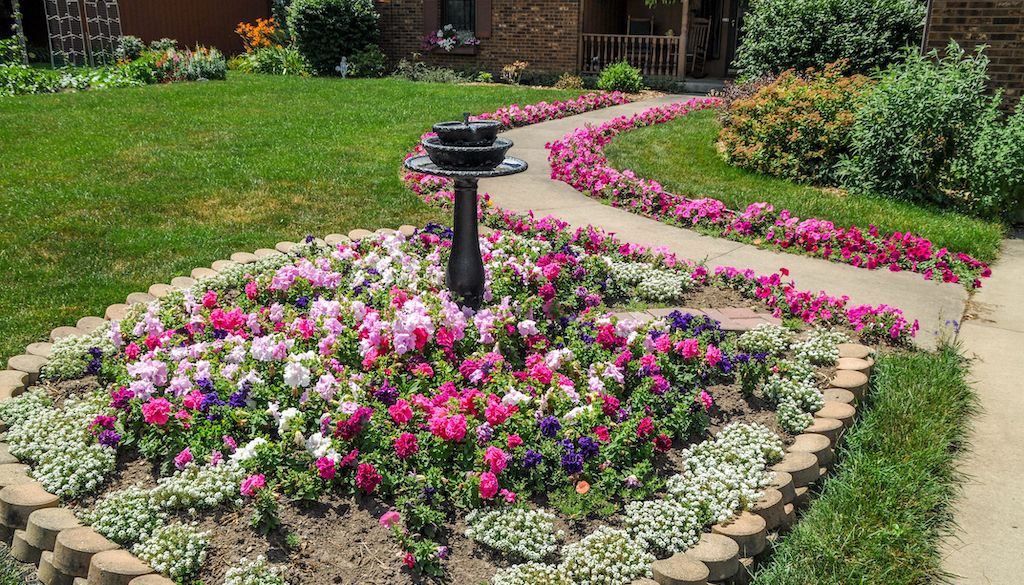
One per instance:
(370, 62)
(327, 30)
(203, 63)
(274, 60)
(989, 177)
(797, 126)
(783, 34)
(129, 48)
(420, 71)
(10, 52)
(924, 111)
(569, 81)
(621, 76)
(163, 45)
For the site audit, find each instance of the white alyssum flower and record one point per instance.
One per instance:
(802, 393)
(665, 526)
(126, 516)
(199, 487)
(607, 556)
(791, 418)
(821, 347)
(70, 355)
(75, 469)
(16, 410)
(175, 550)
(646, 283)
(530, 574)
(765, 338)
(255, 572)
(526, 534)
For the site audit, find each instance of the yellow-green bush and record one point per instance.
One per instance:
(795, 127)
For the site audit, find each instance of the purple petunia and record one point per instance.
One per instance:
(549, 427)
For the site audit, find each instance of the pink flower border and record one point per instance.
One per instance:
(578, 159)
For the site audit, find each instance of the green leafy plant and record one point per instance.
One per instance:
(925, 111)
(420, 71)
(129, 47)
(274, 60)
(163, 45)
(989, 173)
(782, 34)
(370, 62)
(621, 76)
(327, 30)
(797, 126)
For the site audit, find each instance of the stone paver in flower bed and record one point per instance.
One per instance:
(40, 349)
(49, 574)
(680, 569)
(720, 554)
(139, 298)
(818, 445)
(44, 526)
(65, 331)
(75, 548)
(770, 507)
(30, 364)
(838, 410)
(151, 579)
(116, 567)
(119, 311)
(90, 324)
(19, 500)
(829, 427)
(748, 530)
(160, 290)
(802, 466)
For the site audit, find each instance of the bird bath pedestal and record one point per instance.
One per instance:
(466, 152)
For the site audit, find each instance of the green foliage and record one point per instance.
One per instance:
(795, 127)
(990, 174)
(327, 30)
(129, 47)
(10, 51)
(621, 76)
(370, 62)
(16, 79)
(485, 77)
(924, 112)
(787, 34)
(420, 71)
(569, 81)
(204, 64)
(273, 60)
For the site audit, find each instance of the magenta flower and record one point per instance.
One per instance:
(488, 485)
(253, 484)
(183, 458)
(157, 411)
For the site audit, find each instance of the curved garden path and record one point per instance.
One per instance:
(933, 304)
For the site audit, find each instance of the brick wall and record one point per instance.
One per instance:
(999, 24)
(542, 32)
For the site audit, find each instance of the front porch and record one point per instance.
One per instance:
(695, 38)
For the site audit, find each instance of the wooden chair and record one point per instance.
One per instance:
(697, 45)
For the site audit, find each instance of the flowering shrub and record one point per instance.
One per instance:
(797, 126)
(448, 39)
(260, 35)
(578, 160)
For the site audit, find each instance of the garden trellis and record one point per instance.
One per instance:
(82, 33)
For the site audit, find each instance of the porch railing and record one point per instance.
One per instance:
(652, 54)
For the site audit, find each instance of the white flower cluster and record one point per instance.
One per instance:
(608, 556)
(75, 469)
(126, 516)
(525, 534)
(648, 283)
(256, 572)
(174, 550)
(765, 338)
(67, 462)
(530, 574)
(665, 526)
(70, 355)
(18, 409)
(820, 347)
(199, 487)
(802, 393)
(791, 418)
(727, 473)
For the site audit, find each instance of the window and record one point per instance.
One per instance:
(459, 13)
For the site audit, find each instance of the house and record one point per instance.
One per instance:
(570, 35)
(997, 24)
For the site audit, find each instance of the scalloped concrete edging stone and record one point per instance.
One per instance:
(68, 553)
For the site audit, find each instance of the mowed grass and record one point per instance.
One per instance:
(103, 193)
(880, 518)
(682, 156)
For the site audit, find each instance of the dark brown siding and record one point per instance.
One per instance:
(999, 24)
(206, 22)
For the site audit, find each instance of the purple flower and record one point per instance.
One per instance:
(109, 438)
(484, 432)
(549, 427)
(387, 394)
(572, 462)
(94, 366)
(587, 447)
(531, 459)
(302, 302)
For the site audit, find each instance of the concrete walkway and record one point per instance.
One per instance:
(933, 304)
(988, 548)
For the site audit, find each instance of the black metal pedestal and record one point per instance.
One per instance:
(465, 275)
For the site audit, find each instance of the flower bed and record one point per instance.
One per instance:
(345, 370)
(578, 159)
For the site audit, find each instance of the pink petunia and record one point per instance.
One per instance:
(253, 484)
(157, 411)
(488, 485)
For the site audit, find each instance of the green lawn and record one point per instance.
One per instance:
(681, 155)
(103, 193)
(880, 518)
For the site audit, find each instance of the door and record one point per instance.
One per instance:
(737, 8)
